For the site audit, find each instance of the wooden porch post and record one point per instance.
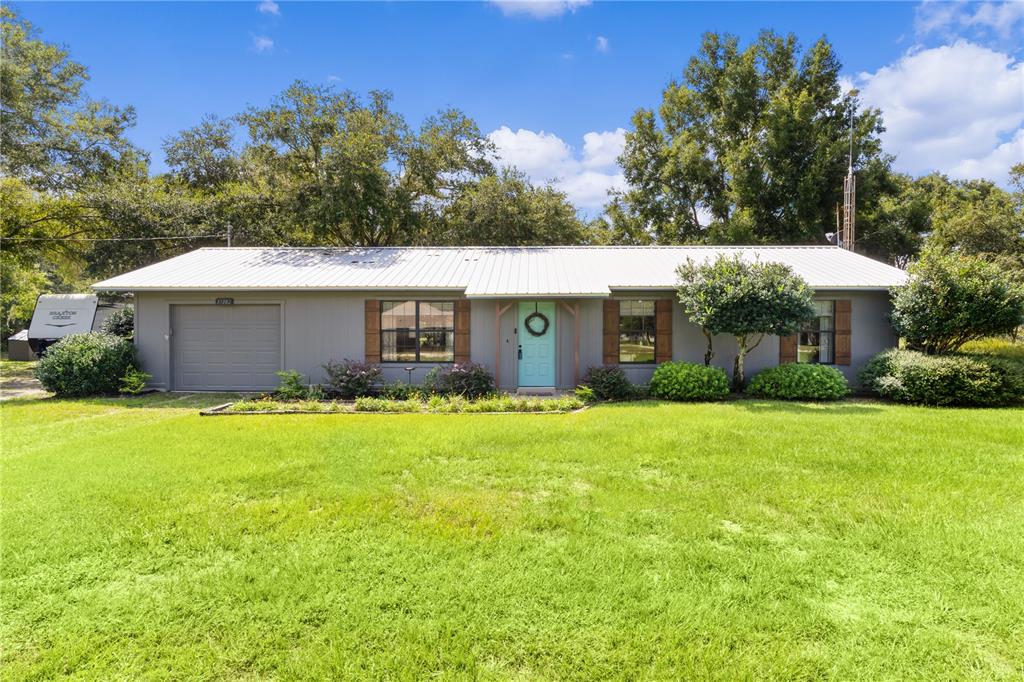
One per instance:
(574, 310)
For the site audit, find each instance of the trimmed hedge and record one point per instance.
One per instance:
(800, 381)
(91, 363)
(608, 383)
(963, 380)
(689, 381)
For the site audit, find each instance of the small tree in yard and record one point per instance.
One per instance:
(747, 300)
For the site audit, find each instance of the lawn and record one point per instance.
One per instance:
(739, 540)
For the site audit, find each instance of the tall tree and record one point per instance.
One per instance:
(353, 173)
(750, 145)
(507, 209)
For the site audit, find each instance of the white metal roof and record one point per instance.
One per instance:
(484, 272)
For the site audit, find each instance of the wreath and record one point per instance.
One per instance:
(543, 321)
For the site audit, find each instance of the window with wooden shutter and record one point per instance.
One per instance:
(610, 347)
(462, 331)
(663, 330)
(844, 331)
(372, 327)
(787, 349)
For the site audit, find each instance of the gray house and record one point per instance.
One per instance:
(229, 318)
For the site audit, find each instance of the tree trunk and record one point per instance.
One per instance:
(709, 354)
(737, 366)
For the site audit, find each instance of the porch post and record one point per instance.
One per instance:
(576, 324)
(497, 345)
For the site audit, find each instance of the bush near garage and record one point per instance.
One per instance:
(608, 383)
(689, 381)
(350, 378)
(800, 381)
(961, 380)
(91, 363)
(121, 322)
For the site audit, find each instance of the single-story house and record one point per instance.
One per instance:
(229, 318)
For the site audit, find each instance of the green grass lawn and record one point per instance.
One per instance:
(740, 540)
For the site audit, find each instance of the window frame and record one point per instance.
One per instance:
(830, 333)
(417, 331)
(653, 330)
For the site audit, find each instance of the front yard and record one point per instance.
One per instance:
(739, 540)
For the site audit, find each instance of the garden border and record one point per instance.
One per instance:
(222, 411)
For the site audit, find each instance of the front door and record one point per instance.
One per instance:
(536, 333)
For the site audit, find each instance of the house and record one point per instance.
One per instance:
(538, 317)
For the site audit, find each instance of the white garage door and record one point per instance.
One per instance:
(225, 347)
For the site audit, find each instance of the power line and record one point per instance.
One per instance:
(106, 239)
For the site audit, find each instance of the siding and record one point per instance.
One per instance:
(320, 326)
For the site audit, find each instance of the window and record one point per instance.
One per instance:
(817, 340)
(417, 331)
(636, 331)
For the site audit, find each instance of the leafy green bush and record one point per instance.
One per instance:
(350, 378)
(608, 383)
(367, 404)
(91, 363)
(964, 380)
(585, 393)
(458, 404)
(688, 381)
(468, 379)
(952, 299)
(399, 390)
(134, 381)
(796, 381)
(292, 386)
(121, 322)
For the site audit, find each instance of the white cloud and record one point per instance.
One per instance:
(538, 9)
(262, 43)
(586, 177)
(601, 44)
(269, 7)
(956, 109)
(953, 18)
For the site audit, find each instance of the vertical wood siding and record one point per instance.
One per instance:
(461, 331)
(610, 347)
(844, 331)
(372, 326)
(663, 330)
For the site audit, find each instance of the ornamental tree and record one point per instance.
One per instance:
(952, 299)
(747, 300)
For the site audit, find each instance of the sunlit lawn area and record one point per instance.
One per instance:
(732, 541)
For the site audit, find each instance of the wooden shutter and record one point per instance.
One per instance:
(610, 354)
(461, 331)
(844, 348)
(662, 330)
(787, 349)
(372, 327)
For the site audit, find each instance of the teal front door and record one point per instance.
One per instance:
(536, 332)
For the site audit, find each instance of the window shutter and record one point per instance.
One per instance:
(610, 354)
(662, 330)
(461, 331)
(787, 349)
(844, 348)
(372, 327)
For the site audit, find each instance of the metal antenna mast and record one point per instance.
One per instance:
(848, 235)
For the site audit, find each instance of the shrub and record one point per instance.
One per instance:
(608, 383)
(585, 394)
(800, 381)
(292, 386)
(964, 380)
(952, 299)
(91, 363)
(467, 379)
(134, 381)
(367, 404)
(351, 378)
(399, 390)
(121, 322)
(688, 381)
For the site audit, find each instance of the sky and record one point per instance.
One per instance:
(553, 84)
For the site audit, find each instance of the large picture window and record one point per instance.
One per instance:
(417, 331)
(817, 340)
(636, 332)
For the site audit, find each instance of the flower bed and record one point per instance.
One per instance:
(434, 405)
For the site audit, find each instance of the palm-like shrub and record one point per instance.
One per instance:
(688, 381)
(795, 381)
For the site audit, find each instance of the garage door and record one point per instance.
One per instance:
(225, 347)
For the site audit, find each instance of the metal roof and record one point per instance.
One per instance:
(484, 272)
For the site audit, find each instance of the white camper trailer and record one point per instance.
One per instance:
(58, 315)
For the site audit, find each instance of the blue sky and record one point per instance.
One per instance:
(554, 83)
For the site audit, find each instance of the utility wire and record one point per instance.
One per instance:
(106, 239)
